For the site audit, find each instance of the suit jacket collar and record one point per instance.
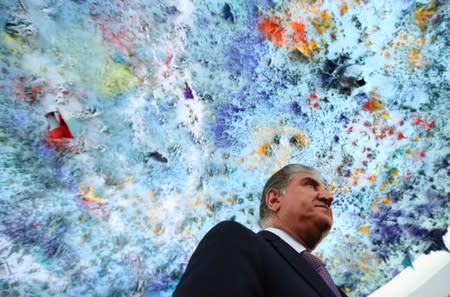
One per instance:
(298, 263)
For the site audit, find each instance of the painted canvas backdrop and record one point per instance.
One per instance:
(129, 128)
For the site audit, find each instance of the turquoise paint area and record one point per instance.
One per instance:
(178, 111)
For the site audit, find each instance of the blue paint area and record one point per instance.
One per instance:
(180, 111)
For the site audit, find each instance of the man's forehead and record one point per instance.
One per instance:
(301, 175)
(306, 175)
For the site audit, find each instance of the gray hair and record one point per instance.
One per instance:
(279, 181)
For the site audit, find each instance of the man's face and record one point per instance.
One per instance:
(304, 207)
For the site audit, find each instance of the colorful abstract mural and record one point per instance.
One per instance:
(129, 128)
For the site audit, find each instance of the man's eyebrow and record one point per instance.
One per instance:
(314, 181)
(309, 179)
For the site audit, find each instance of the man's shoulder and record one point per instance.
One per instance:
(231, 229)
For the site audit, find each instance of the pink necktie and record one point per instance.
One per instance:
(320, 268)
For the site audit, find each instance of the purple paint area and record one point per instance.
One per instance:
(27, 232)
(226, 115)
(188, 94)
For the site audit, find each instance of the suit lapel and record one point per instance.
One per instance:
(298, 263)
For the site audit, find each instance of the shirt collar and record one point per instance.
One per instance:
(287, 238)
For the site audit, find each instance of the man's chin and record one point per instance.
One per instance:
(326, 224)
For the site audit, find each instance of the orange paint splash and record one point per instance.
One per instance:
(299, 31)
(373, 105)
(364, 229)
(322, 22)
(306, 48)
(273, 30)
(343, 8)
(415, 58)
(263, 150)
(424, 14)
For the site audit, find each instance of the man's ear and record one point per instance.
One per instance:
(273, 200)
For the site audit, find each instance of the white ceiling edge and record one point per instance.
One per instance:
(430, 276)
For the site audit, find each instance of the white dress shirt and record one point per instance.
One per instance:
(287, 238)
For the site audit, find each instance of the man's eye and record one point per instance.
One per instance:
(312, 184)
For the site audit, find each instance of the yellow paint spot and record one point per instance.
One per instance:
(16, 46)
(322, 22)
(263, 150)
(364, 229)
(232, 200)
(300, 139)
(196, 202)
(83, 58)
(115, 78)
(157, 229)
(387, 200)
(355, 176)
(415, 58)
(347, 290)
(385, 116)
(393, 172)
(151, 195)
(345, 189)
(423, 15)
(385, 53)
(129, 180)
(208, 208)
(343, 8)
(90, 196)
(332, 186)
(420, 41)
(374, 208)
(372, 178)
(384, 186)
(374, 104)
(306, 48)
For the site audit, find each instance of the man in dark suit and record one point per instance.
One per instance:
(232, 261)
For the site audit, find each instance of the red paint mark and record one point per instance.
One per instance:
(421, 154)
(273, 30)
(417, 120)
(420, 121)
(26, 91)
(58, 131)
(400, 136)
(313, 95)
(299, 31)
(169, 60)
(430, 125)
(120, 37)
(386, 131)
(316, 105)
(35, 91)
(373, 105)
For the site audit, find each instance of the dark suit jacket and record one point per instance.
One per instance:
(232, 261)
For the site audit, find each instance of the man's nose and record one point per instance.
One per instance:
(326, 196)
